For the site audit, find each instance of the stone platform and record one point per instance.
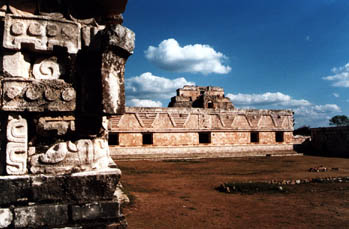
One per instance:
(199, 152)
(82, 200)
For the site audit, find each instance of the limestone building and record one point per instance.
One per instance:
(200, 122)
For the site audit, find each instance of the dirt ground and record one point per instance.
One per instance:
(182, 194)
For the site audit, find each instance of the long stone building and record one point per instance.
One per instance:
(200, 122)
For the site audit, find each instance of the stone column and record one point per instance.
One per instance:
(117, 45)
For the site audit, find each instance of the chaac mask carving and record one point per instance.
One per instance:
(62, 74)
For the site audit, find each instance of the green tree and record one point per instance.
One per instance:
(339, 120)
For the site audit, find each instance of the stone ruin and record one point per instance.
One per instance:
(62, 69)
(201, 97)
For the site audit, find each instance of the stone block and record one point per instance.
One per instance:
(48, 189)
(87, 187)
(69, 157)
(37, 95)
(95, 211)
(41, 216)
(77, 188)
(42, 32)
(47, 68)
(16, 65)
(6, 217)
(14, 189)
(55, 126)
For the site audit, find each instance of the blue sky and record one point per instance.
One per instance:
(289, 54)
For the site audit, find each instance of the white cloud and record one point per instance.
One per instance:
(197, 58)
(336, 95)
(306, 113)
(268, 98)
(340, 77)
(151, 87)
(144, 103)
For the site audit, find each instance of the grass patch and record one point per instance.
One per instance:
(251, 188)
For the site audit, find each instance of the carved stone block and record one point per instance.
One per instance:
(37, 95)
(58, 125)
(17, 146)
(43, 33)
(15, 65)
(66, 157)
(47, 69)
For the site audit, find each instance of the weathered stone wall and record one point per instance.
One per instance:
(177, 129)
(230, 138)
(175, 139)
(334, 140)
(130, 139)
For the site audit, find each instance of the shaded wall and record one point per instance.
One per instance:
(334, 140)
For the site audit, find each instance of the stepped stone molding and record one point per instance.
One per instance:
(42, 32)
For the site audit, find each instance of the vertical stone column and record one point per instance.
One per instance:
(117, 45)
(17, 146)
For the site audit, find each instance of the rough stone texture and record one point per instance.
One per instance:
(266, 138)
(113, 69)
(119, 44)
(6, 217)
(78, 188)
(43, 33)
(334, 140)
(230, 138)
(68, 157)
(16, 65)
(37, 95)
(130, 139)
(175, 139)
(14, 189)
(202, 97)
(40, 216)
(94, 211)
(17, 146)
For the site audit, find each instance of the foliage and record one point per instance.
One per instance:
(339, 120)
(303, 130)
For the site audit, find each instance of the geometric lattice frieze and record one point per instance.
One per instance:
(241, 122)
(146, 119)
(179, 119)
(42, 33)
(266, 122)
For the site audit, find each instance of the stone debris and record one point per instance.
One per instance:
(318, 169)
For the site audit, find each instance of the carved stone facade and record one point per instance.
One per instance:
(54, 105)
(178, 132)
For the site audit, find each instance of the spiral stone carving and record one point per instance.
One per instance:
(47, 69)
